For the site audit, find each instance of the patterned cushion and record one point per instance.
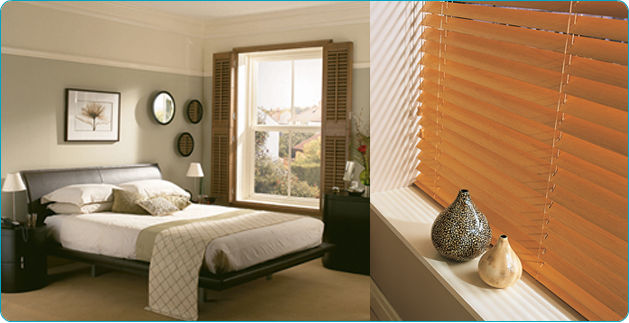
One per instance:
(126, 202)
(158, 206)
(181, 202)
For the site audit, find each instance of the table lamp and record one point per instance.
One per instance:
(13, 183)
(195, 170)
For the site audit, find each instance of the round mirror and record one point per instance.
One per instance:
(164, 108)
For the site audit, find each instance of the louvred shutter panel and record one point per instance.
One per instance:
(222, 127)
(525, 105)
(337, 106)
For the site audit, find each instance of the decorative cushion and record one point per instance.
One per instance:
(154, 187)
(81, 194)
(181, 202)
(158, 206)
(127, 202)
(68, 208)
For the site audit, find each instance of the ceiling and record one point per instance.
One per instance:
(209, 10)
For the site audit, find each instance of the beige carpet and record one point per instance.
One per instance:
(309, 292)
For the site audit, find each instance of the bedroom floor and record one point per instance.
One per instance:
(308, 292)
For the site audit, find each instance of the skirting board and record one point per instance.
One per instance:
(380, 305)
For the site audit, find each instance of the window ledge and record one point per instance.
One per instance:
(409, 213)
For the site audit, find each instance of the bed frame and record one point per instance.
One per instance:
(41, 182)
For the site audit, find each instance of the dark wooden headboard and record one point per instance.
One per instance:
(41, 182)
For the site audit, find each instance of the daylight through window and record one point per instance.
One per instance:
(279, 129)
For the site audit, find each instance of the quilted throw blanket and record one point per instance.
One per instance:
(177, 256)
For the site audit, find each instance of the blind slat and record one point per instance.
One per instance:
(594, 288)
(598, 8)
(608, 73)
(607, 160)
(598, 49)
(576, 250)
(598, 201)
(512, 118)
(597, 92)
(600, 28)
(575, 106)
(584, 25)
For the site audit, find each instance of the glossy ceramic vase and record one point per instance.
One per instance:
(461, 232)
(500, 266)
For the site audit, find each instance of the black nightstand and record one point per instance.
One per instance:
(24, 260)
(346, 221)
(205, 199)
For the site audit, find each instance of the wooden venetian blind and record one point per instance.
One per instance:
(222, 127)
(525, 105)
(337, 107)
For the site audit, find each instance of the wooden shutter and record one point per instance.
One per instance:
(527, 108)
(337, 107)
(222, 127)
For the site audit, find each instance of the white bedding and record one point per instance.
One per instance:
(115, 234)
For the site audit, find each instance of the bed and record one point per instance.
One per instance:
(41, 182)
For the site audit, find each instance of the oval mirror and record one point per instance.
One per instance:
(185, 144)
(164, 108)
(195, 111)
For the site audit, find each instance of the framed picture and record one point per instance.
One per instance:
(92, 115)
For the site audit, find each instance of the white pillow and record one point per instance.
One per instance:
(67, 208)
(154, 187)
(81, 194)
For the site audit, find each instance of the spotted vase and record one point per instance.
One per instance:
(461, 232)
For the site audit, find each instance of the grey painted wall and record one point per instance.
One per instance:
(33, 119)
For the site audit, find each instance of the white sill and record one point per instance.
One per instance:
(409, 213)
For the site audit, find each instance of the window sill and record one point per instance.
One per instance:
(257, 205)
(408, 213)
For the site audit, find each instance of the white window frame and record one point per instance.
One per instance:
(247, 126)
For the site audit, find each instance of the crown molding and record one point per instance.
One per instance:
(129, 14)
(98, 61)
(333, 15)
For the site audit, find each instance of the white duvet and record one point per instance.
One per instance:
(115, 234)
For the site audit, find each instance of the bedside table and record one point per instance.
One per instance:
(208, 200)
(24, 261)
(346, 221)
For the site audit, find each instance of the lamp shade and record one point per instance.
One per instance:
(13, 183)
(195, 170)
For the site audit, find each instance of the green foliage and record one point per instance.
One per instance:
(310, 173)
(271, 173)
(298, 137)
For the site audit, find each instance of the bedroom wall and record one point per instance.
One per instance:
(33, 117)
(43, 53)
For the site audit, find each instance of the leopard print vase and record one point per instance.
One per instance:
(461, 232)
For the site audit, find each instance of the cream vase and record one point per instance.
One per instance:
(500, 266)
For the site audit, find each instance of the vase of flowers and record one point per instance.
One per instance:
(361, 155)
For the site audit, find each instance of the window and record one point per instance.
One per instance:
(525, 105)
(293, 136)
(279, 130)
